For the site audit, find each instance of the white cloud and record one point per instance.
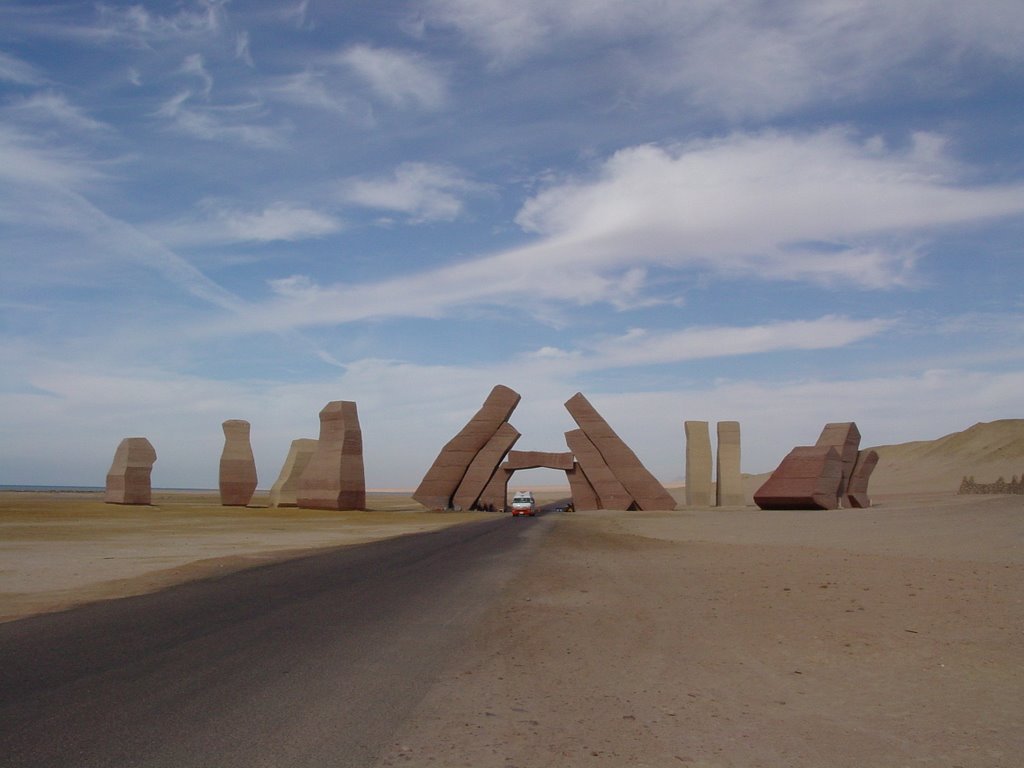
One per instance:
(242, 50)
(220, 123)
(222, 223)
(734, 57)
(51, 107)
(14, 70)
(194, 65)
(423, 191)
(822, 208)
(134, 23)
(404, 79)
(314, 89)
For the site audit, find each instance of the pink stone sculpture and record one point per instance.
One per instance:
(584, 497)
(442, 480)
(535, 459)
(728, 480)
(611, 494)
(495, 495)
(237, 465)
(647, 493)
(698, 464)
(483, 466)
(334, 477)
(845, 438)
(128, 480)
(284, 492)
(808, 478)
(857, 490)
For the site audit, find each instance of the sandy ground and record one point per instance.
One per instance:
(885, 637)
(892, 636)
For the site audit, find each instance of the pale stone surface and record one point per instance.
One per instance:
(698, 464)
(645, 490)
(845, 438)
(610, 492)
(237, 478)
(495, 495)
(857, 490)
(483, 466)
(128, 480)
(729, 481)
(445, 475)
(808, 478)
(584, 497)
(535, 459)
(284, 492)
(334, 477)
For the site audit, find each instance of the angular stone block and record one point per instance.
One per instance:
(698, 464)
(728, 480)
(857, 490)
(495, 495)
(808, 478)
(483, 466)
(237, 465)
(445, 475)
(584, 497)
(128, 480)
(334, 477)
(535, 459)
(640, 484)
(284, 492)
(845, 438)
(610, 492)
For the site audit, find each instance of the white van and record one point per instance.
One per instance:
(523, 504)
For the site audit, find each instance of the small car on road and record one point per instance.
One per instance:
(523, 503)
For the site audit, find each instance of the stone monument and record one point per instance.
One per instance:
(334, 477)
(698, 464)
(845, 438)
(285, 489)
(445, 475)
(611, 494)
(237, 465)
(483, 467)
(729, 481)
(644, 489)
(128, 480)
(584, 497)
(857, 490)
(808, 478)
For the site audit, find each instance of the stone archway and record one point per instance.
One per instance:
(602, 470)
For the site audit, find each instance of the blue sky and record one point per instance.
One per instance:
(782, 213)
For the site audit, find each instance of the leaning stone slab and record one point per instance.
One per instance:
(698, 464)
(729, 481)
(445, 475)
(128, 480)
(285, 489)
(808, 478)
(495, 495)
(584, 497)
(483, 466)
(641, 485)
(237, 479)
(610, 492)
(857, 491)
(334, 477)
(845, 438)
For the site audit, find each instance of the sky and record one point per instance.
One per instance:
(784, 213)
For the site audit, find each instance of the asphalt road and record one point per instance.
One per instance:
(309, 662)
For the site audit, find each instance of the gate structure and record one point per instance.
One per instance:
(473, 469)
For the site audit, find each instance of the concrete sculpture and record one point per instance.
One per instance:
(445, 475)
(483, 466)
(334, 477)
(284, 492)
(845, 438)
(533, 459)
(584, 497)
(128, 480)
(646, 492)
(698, 464)
(495, 495)
(857, 490)
(237, 478)
(611, 494)
(728, 480)
(808, 478)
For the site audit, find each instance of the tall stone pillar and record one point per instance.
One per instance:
(845, 438)
(285, 489)
(698, 464)
(483, 466)
(334, 477)
(237, 465)
(729, 481)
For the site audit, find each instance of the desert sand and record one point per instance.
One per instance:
(889, 636)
